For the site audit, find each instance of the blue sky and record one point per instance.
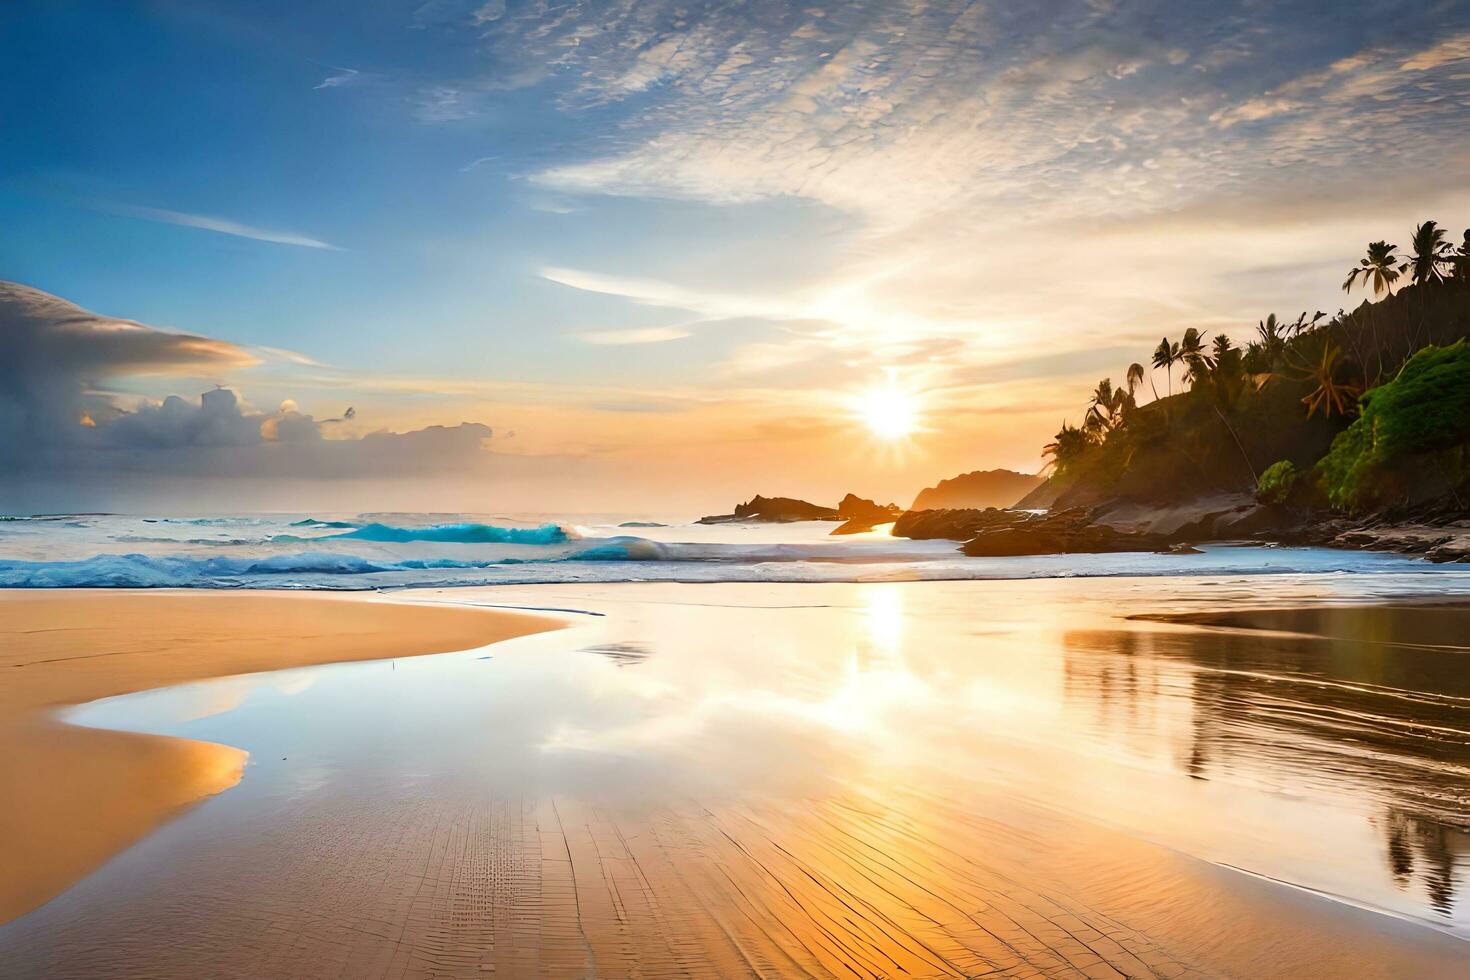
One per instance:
(674, 238)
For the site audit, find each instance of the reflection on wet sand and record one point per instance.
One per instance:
(1366, 703)
(968, 779)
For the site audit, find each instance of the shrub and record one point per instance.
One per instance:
(1425, 409)
(1276, 482)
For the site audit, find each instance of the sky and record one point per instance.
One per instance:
(652, 256)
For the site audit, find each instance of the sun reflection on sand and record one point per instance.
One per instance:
(938, 780)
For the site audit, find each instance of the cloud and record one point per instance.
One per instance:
(441, 103)
(640, 335)
(58, 420)
(53, 352)
(221, 225)
(344, 76)
(1012, 172)
(1448, 52)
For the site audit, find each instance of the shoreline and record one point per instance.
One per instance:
(396, 837)
(90, 793)
(1124, 526)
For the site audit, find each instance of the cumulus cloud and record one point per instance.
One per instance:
(52, 353)
(58, 419)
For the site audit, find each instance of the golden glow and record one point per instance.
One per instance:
(889, 412)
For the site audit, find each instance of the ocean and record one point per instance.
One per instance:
(392, 551)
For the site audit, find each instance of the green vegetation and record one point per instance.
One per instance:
(1277, 482)
(1385, 388)
(1424, 411)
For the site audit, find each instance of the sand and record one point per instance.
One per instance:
(658, 791)
(76, 796)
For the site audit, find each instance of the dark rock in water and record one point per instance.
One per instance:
(1117, 526)
(1441, 535)
(1181, 549)
(862, 514)
(775, 510)
(1064, 533)
(859, 513)
(957, 524)
(641, 524)
(977, 491)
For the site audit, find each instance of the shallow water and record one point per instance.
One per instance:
(923, 778)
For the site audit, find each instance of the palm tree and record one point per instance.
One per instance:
(1431, 250)
(1330, 394)
(1302, 324)
(1225, 383)
(1377, 268)
(1272, 333)
(1191, 352)
(1100, 409)
(1135, 378)
(1462, 258)
(1166, 355)
(1068, 444)
(1107, 408)
(1222, 352)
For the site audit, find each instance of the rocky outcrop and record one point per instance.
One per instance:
(861, 514)
(1062, 533)
(1116, 526)
(1442, 539)
(956, 524)
(977, 491)
(774, 510)
(1221, 517)
(858, 513)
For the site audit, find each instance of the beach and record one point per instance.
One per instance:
(927, 779)
(80, 795)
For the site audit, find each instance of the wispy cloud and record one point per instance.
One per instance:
(290, 356)
(344, 76)
(1012, 175)
(638, 335)
(221, 225)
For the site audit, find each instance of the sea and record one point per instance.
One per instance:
(376, 551)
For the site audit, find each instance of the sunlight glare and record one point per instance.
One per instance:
(889, 412)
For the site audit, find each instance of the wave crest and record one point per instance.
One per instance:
(458, 534)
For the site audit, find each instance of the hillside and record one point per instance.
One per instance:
(1285, 404)
(980, 489)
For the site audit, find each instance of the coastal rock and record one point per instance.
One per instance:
(957, 524)
(1067, 532)
(861, 514)
(1442, 543)
(977, 491)
(1220, 517)
(1042, 497)
(774, 510)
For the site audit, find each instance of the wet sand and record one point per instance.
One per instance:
(965, 779)
(76, 796)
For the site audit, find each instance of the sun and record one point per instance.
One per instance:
(889, 412)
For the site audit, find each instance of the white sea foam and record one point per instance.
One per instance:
(397, 551)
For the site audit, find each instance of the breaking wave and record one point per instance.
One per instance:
(454, 533)
(634, 559)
